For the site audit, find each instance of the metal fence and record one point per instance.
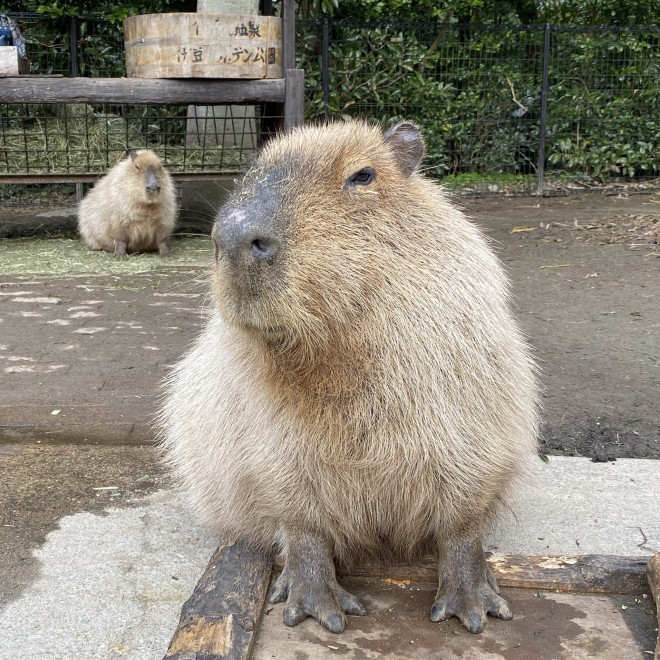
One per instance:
(514, 110)
(528, 109)
(50, 143)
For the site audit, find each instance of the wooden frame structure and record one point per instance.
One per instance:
(286, 96)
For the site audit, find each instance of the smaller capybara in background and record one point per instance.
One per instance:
(131, 209)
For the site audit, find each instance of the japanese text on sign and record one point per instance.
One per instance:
(252, 30)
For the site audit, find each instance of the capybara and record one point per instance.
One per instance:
(131, 209)
(360, 388)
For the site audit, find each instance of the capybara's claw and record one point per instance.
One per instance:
(325, 602)
(471, 607)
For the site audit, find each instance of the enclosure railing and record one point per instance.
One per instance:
(534, 109)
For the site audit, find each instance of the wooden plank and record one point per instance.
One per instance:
(294, 104)
(203, 45)
(139, 91)
(219, 620)
(577, 574)
(17, 179)
(653, 576)
(398, 626)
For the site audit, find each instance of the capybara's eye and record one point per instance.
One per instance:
(362, 178)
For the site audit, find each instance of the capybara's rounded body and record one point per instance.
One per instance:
(131, 209)
(361, 379)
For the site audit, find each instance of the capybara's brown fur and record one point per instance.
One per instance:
(361, 386)
(131, 209)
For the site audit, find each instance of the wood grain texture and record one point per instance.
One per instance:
(202, 45)
(578, 574)
(294, 104)
(220, 619)
(138, 91)
(653, 576)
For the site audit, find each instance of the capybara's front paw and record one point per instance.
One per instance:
(307, 596)
(470, 605)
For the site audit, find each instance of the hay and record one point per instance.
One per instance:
(62, 256)
(77, 139)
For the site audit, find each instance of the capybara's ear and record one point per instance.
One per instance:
(408, 145)
(133, 154)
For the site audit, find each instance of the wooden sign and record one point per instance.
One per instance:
(203, 46)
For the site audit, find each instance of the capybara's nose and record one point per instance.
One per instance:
(153, 188)
(243, 240)
(264, 249)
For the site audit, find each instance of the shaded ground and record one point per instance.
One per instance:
(41, 483)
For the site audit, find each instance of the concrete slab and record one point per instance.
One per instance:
(110, 586)
(574, 506)
(82, 358)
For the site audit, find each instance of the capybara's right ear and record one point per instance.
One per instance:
(133, 154)
(408, 145)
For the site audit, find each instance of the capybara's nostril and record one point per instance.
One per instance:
(153, 189)
(264, 249)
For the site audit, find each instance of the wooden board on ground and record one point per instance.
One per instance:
(653, 574)
(564, 607)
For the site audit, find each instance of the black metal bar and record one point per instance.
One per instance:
(325, 69)
(24, 179)
(540, 170)
(266, 7)
(73, 46)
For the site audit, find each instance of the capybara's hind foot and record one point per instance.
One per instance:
(307, 596)
(467, 589)
(310, 588)
(470, 605)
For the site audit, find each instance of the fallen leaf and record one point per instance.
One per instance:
(556, 266)
(398, 583)
(56, 412)
(518, 230)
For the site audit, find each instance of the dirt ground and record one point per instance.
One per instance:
(585, 275)
(586, 281)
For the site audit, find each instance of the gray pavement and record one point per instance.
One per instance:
(111, 586)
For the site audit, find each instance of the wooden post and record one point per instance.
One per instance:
(653, 576)
(220, 619)
(294, 98)
(229, 126)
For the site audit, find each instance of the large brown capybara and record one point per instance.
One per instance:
(131, 209)
(361, 387)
